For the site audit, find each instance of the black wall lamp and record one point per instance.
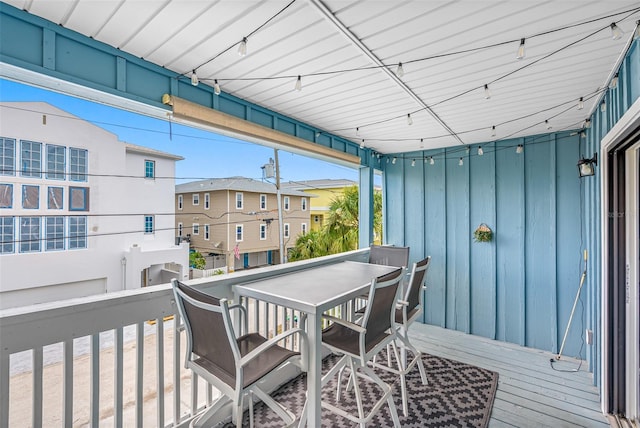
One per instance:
(587, 167)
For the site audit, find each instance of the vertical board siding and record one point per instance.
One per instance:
(483, 254)
(435, 240)
(520, 287)
(509, 241)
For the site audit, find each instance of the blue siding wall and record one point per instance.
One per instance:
(519, 287)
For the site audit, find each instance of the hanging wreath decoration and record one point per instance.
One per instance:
(483, 233)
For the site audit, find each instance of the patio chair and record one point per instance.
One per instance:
(407, 311)
(359, 342)
(389, 255)
(233, 365)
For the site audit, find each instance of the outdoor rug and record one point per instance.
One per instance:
(456, 395)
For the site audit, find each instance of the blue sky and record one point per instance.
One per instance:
(206, 154)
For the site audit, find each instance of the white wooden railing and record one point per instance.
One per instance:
(116, 359)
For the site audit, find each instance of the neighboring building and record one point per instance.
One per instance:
(234, 221)
(322, 193)
(81, 212)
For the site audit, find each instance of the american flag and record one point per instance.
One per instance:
(236, 252)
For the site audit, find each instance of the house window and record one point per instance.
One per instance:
(180, 229)
(148, 224)
(286, 203)
(263, 202)
(195, 229)
(206, 232)
(286, 230)
(239, 199)
(30, 197)
(207, 201)
(54, 198)
(29, 234)
(316, 219)
(195, 199)
(56, 162)
(7, 156)
(239, 228)
(180, 201)
(263, 231)
(149, 169)
(78, 164)
(78, 199)
(304, 228)
(54, 233)
(303, 204)
(77, 232)
(6, 195)
(31, 159)
(7, 234)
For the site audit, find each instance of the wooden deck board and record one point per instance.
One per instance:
(530, 392)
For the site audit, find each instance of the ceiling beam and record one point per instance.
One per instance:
(383, 67)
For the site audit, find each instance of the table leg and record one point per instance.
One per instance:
(314, 373)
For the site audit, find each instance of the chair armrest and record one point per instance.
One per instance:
(271, 342)
(403, 303)
(242, 309)
(345, 323)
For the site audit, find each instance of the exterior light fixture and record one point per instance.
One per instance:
(587, 167)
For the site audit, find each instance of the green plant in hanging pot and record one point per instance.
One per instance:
(483, 234)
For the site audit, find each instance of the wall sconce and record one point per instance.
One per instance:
(587, 167)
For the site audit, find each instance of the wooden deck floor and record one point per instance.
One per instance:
(530, 393)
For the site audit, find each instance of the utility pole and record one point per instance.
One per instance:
(280, 225)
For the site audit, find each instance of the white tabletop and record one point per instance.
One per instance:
(316, 289)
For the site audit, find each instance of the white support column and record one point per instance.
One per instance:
(365, 207)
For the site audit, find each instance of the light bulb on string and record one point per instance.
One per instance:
(480, 151)
(603, 106)
(614, 81)
(362, 144)
(413, 162)
(357, 131)
(521, 52)
(422, 143)
(487, 92)
(636, 35)
(409, 120)
(587, 123)
(194, 78)
(580, 103)
(400, 70)
(431, 161)
(460, 162)
(242, 49)
(616, 32)
(548, 124)
(298, 86)
(493, 131)
(519, 148)
(216, 87)
(394, 160)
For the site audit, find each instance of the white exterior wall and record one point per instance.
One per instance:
(116, 205)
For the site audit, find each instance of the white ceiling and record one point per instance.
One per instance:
(360, 43)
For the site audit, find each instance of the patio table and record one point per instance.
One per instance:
(314, 291)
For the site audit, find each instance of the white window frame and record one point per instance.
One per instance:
(240, 228)
(7, 234)
(54, 228)
(239, 200)
(77, 241)
(180, 202)
(79, 169)
(195, 228)
(286, 230)
(207, 201)
(56, 162)
(263, 202)
(7, 156)
(263, 231)
(286, 203)
(195, 199)
(206, 232)
(303, 204)
(153, 169)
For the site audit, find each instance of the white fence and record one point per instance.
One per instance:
(115, 359)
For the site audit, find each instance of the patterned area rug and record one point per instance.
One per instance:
(456, 395)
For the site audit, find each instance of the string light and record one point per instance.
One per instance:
(425, 160)
(460, 162)
(394, 160)
(546, 122)
(216, 87)
(521, 53)
(413, 162)
(616, 32)
(636, 35)
(431, 161)
(587, 123)
(487, 92)
(362, 144)
(580, 103)
(399, 70)
(242, 49)
(422, 143)
(583, 134)
(519, 148)
(357, 131)
(298, 86)
(480, 151)
(614, 82)
(603, 106)
(493, 131)
(409, 120)
(194, 78)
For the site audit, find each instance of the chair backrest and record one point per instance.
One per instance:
(207, 333)
(380, 312)
(418, 275)
(389, 255)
